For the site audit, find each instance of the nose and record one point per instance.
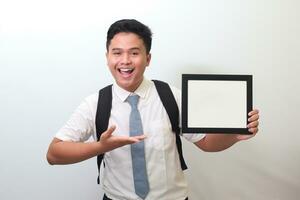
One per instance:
(125, 60)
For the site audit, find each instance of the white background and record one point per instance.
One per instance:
(52, 56)
(217, 104)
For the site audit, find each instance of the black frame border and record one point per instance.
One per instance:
(216, 77)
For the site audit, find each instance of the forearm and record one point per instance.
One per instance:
(216, 142)
(64, 152)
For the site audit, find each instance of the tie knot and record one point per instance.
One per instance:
(133, 100)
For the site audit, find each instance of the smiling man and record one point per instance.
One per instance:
(153, 143)
(127, 59)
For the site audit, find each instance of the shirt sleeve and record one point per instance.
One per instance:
(80, 126)
(192, 137)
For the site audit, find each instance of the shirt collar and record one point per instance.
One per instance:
(141, 91)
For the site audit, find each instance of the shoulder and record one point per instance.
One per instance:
(177, 94)
(175, 91)
(89, 103)
(92, 98)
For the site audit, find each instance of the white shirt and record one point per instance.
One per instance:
(166, 178)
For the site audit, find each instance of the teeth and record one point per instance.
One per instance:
(125, 70)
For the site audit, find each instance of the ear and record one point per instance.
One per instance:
(148, 59)
(106, 55)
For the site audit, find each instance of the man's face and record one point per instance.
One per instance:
(127, 60)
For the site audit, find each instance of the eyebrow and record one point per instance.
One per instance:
(131, 49)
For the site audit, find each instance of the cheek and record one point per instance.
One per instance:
(111, 63)
(142, 63)
(111, 67)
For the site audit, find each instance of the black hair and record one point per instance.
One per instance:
(130, 26)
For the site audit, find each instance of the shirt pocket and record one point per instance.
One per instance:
(159, 135)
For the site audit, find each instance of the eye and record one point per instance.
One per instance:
(135, 53)
(116, 53)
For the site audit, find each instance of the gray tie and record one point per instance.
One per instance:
(141, 184)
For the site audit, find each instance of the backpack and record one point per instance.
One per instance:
(168, 101)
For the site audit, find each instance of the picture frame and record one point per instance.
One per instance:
(216, 103)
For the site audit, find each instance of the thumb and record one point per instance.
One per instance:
(109, 131)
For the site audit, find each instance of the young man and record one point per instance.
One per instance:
(128, 55)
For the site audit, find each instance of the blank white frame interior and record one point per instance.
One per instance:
(216, 103)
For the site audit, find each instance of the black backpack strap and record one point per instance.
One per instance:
(102, 118)
(169, 102)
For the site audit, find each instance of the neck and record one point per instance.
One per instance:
(133, 87)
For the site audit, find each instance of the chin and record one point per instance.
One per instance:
(126, 85)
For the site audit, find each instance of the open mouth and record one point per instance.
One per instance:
(126, 71)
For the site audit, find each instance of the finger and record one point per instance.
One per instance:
(135, 139)
(253, 118)
(140, 137)
(253, 130)
(130, 140)
(253, 112)
(109, 131)
(253, 124)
